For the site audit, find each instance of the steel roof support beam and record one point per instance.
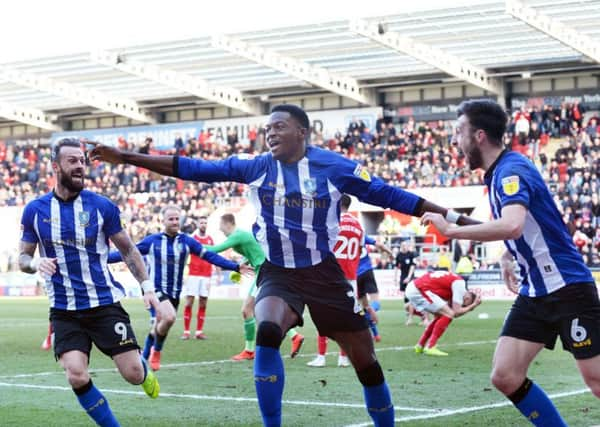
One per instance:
(29, 116)
(435, 57)
(227, 96)
(100, 100)
(555, 29)
(317, 76)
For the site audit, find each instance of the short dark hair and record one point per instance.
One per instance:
(345, 201)
(487, 115)
(228, 218)
(63, 142)
(472, 294)
(296, 112)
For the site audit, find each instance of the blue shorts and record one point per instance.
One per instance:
(572, 312)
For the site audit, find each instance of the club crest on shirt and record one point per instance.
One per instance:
(84, 218)
(310, 185)
(362, 172)
(510, 185)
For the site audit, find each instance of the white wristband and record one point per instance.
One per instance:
(34, 263)
(452, 216)
(147, 286)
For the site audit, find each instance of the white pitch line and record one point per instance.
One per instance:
(448, 412)
(217, 362)
(215, 398)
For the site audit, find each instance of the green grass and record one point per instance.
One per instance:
(205, 393)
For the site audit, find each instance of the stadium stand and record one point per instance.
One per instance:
(409, 155)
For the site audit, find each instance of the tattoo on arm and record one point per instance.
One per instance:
(131, 255)
(134, 261)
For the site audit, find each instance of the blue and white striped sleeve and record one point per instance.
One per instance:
(235, 168)
(514, 185)
(212, 257)
(27, 229)
(112, 218)
(353, 178)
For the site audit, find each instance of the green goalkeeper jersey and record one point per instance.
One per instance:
(244, 243)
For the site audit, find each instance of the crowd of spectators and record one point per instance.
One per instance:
(409, 155)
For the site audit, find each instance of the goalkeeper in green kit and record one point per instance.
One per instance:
(244, 243)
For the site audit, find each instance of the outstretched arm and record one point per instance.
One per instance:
(219, 261)
(228, 243)
(160, 164)
(450, 215)
(354, 179)
(234, 168)
(215, 259)
(508, 227)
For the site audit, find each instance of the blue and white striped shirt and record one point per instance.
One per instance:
(365, 264)
(166, 257)
(297, 204)
(75, 232)
(545, 252)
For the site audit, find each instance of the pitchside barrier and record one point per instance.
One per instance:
(486, 282)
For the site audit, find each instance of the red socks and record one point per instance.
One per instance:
(200, 318)
(187, 317)
(439, 328)
(322, 345)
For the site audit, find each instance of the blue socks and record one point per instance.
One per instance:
(379, 404)
(536, 406)
(376, 305)
(269, 381)
(148, 346)
(96, 405)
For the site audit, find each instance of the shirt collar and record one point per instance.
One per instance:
(490, 171)
(70, 199)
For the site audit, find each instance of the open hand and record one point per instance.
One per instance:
(437, 220)
(246, 269)
(150, 300)
(105, 153)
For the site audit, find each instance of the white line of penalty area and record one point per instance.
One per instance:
(449, 412)
(216, 362)
(208, 397)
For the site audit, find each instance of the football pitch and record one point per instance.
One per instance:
(200, 386)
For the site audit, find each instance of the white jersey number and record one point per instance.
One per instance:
(578, 333)
(121, 329)
(438, 274)
(348, 247)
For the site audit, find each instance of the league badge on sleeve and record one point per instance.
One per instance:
(362, 172)
(510, 185)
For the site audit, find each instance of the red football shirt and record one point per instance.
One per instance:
(438, 282)
(349, 244)
(198, 266)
